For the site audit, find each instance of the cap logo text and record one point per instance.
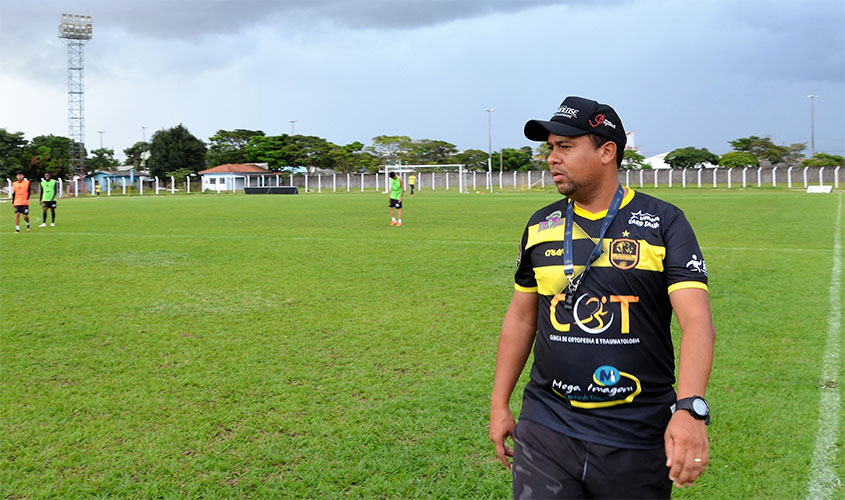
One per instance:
(567, 112)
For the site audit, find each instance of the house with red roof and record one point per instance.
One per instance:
(231, 176)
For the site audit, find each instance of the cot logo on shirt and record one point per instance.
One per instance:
(594, 315)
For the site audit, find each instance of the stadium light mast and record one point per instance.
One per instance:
(75, 31)
(812, 126)
(490, 148)
(291, 127)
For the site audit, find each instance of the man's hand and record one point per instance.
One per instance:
(686, 448)
(501, 427)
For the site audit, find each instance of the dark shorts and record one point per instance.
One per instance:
(22, 209)
(395, 203)
(547, 464)
(49, 204)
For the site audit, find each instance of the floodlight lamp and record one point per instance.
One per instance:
(75, 27)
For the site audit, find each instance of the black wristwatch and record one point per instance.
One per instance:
(697, 406)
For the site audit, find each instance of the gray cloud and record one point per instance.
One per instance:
(190, 19)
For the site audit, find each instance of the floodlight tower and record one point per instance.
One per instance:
(75, 31)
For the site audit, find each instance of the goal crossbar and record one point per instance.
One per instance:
(405, 169)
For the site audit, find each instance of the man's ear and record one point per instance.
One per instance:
(608, 153)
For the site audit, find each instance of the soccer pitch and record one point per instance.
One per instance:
(229, 346)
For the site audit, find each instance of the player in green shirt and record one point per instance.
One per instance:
(396, 190)
(48, 198)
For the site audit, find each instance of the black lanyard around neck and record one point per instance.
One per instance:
(568, 263)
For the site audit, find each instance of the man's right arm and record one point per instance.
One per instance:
(518, 330)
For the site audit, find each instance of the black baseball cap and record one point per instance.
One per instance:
(579, 116)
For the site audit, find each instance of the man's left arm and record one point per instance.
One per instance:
(686, 441)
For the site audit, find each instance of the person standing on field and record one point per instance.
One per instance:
(48, 199)
(599, 274)
(396, 191)
(412, 182)
(20, 202)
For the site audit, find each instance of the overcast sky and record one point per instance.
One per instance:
(679, 73)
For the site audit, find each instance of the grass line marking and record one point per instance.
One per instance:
(823, 480)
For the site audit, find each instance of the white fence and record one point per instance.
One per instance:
(730, 178)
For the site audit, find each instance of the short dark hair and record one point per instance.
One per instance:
(599, 141)
(391, 174)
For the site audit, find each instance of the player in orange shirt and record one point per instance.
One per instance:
(21, 201)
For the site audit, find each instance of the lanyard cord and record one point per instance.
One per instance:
(568, 263)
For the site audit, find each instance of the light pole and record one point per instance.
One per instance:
(812, 126)
(101, 132)
(143, 133)
(291, 127)
(490, 147)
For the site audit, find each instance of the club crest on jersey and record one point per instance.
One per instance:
(553, 220)
(624, 253)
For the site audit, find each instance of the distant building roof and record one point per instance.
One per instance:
(235, 168)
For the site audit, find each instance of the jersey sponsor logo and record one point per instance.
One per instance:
(624, 253)
(697, 266)
(644, 219)
(553, 220)
(609, 387)
(594, 315)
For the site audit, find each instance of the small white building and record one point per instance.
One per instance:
(229, 176)
(657, 162)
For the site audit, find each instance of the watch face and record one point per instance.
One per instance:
(699, 406)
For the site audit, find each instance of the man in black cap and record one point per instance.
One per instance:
(599, 275)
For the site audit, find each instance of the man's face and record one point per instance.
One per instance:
(47, 176)
(575, 164)
(20, 177)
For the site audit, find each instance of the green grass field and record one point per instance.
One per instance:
(231, 346)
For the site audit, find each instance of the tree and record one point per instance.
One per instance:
(472, 159)
(351, 158)
(430, 152)
(390, 148)
(824, 160)
(313, 152)
(633, 160)
(275, 151)
(738, 159)
(48, 153)
(134, 152)
(173, 149)
(103, 159)
(690, 157)
(518, 159)
(12, 150)
(229, 146)
(541, 155)
(763, 149)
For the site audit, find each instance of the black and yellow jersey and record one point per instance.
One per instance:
(604, 371)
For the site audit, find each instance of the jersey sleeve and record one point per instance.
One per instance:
(524, 278)
(684, 265)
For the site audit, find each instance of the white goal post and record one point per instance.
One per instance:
(405, 169)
